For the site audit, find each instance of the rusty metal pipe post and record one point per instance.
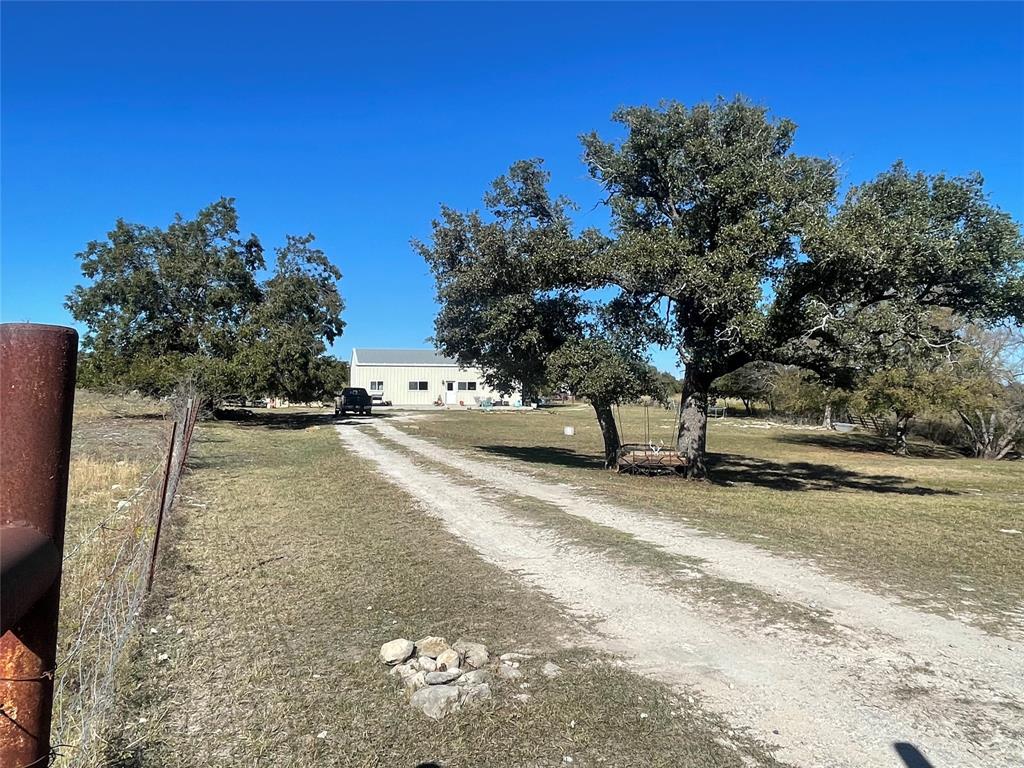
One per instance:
(37, 394)
(161, 500)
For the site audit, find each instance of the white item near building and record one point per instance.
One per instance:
(421, 377)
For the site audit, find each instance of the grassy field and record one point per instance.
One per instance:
(291, 562)
(929, 528)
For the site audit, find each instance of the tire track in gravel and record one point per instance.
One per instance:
(837, 705)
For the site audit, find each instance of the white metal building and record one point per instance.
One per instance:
(420, 377)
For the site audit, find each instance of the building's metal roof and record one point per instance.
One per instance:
(363, 356)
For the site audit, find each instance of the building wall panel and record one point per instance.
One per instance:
(396, 380)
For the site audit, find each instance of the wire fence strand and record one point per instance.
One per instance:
(110, 563)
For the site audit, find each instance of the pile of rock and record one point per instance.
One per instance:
(441, 678)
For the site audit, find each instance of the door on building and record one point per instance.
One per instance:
(449, 393)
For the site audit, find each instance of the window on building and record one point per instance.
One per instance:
(467, 385)
(418, 385)
(376, 386)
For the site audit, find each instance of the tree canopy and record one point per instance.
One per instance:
(715, 214)
(187, 301)
(492, 277)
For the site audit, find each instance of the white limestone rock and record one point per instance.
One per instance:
(431, 646)
(474, 655)
(475, 695)
(475, 677)
(550, 669)
(449, 659)
(396, 651)
(436, 701)
(443, 678)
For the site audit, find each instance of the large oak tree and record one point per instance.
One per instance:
(186, 302)
(716, 216)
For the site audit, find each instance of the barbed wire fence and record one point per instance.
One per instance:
(115, 561)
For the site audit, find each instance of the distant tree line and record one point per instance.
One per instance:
(735, 251)
(187, 303)
(975, 389)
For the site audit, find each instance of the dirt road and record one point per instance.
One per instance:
(881, 674)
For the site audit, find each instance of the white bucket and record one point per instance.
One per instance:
(569, 431)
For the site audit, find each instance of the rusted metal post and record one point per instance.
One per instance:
(160, 509)
(37, 394)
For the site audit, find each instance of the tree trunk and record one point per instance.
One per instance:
(693, 426)
(993, 441)
(826, 422)
(902, 426)
(610, 433)
(746, 406)
(528, 392)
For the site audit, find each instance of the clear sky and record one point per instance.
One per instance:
(356, 121)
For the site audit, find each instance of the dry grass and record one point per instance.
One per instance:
(928, 528)
(292, 562)
(91, 407)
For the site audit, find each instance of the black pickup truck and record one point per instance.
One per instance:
(354, 400)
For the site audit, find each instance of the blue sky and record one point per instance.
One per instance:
(356, 121)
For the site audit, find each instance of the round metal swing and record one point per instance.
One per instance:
(647, 458)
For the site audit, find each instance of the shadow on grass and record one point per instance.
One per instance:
(293, 420)
(860, 443)
(544, 455)
(732, 469)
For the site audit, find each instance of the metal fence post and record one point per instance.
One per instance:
(162, 501)
(37, 392)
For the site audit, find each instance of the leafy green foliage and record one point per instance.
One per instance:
(335, 375)
(595, 369)
(668, 383)
(511, 294)
(283, 343)
(708, 206)
(902, 253)
(749, 383)
(185, 302)
(708, 203)
(493, 279)
(902, 393)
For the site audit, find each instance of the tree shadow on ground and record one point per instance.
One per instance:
(860, 443)
(544, 455)
(295, 420)
(732, 469)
